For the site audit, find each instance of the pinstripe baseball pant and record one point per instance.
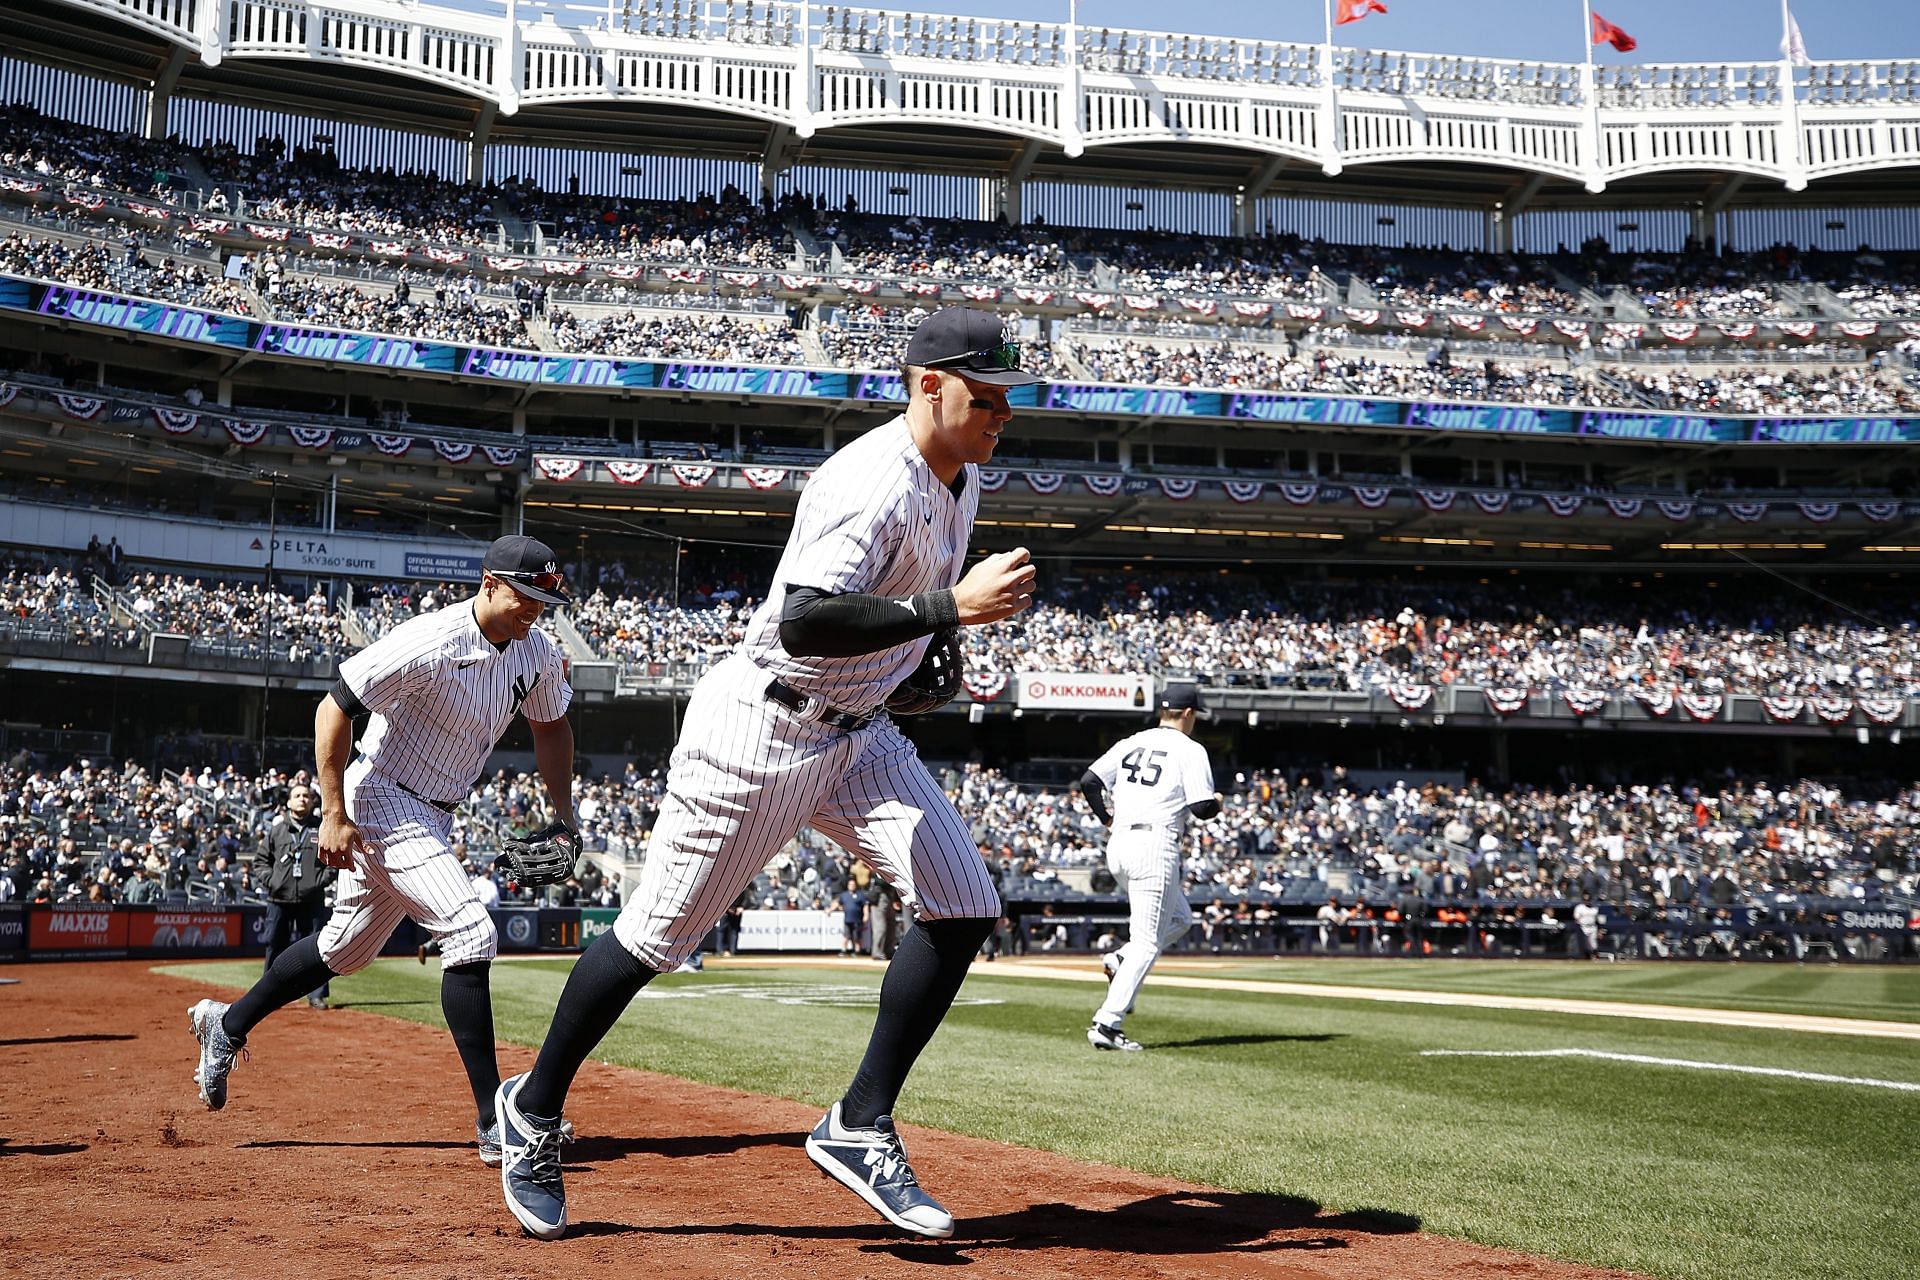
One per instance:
(1147, 865)
(748, 773)
(409, 870)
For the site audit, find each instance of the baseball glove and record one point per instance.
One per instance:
(932, 684)
(541, 858)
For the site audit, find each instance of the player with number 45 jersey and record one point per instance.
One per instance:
(1145, 788)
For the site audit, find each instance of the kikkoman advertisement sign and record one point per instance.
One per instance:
(1075, 691)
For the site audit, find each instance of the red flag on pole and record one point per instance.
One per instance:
(1354, 10)
(1605, 32)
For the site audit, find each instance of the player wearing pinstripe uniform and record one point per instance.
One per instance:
(789, 731)
(1153, 782)
(441, 689)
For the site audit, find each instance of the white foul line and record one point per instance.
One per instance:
(1822, 1076)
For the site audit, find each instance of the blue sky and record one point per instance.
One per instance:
(1668, 30)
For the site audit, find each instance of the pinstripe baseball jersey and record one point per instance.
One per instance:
(1153, 776)
(441, 695)
(874, 518)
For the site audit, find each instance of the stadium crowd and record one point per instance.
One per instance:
(702, 336)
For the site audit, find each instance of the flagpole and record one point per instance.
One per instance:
(1586, 29)
(1327, 13)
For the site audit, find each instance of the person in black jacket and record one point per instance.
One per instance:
(295, 879)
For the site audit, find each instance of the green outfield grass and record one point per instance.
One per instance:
(1696, 1175)
(1886, 993)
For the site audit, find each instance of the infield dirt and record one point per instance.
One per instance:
(346, 1151)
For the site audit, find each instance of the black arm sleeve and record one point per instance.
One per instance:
(344, 698)
(1205, 808)
(820, 624)
(1096, 794)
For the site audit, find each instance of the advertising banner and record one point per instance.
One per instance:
(518, 927)
(1074, 691)
(789, 930)
(189, 931)
(595, 921)
(76, 931)
(13, 931)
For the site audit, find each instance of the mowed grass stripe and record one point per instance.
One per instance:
(1678, 1174)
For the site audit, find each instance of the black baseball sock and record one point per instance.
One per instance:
(466, 998)
(925, 975)
(295, 971)
(603, 982)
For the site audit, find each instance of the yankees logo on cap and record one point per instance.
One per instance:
(529, 566)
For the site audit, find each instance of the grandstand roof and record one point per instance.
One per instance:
(71, 33)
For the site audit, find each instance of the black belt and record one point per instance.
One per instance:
(800, 704)
(448, 807)
(1141, 826)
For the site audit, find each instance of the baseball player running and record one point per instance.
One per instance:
(788, 731)
(1156, 778)
(442, 688)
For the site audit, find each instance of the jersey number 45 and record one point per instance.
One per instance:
(1145, 771)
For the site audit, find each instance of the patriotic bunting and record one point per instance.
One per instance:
(1858, 328)
(261, 232)
(622, 271)
(1625, 508)
(764, 477)
(1508, 699)
(1304, 311)
(1784, 710)
(1832, 710)
(1409, 696)
(1094, 301)
(8, 391)
(1657, 703)
(454, 451)
(1880, 512)
(558, 468)
(981, 292)
(450, 256)
(1437, 499)
(1676, 511)
(1571, 328)
(1045, 482)
(743, 279)
(1102, 486)
(921, 288)
(394, 446)
(328, 240)
(502, 455)
(626, 472)
(1739, 330)
(554, 267)
(499, 263)
(1701, 706)
(314, 438)
(1881, 710)
(692, 475)
(149, 211)
(18, 184)
(1244, 490)
(1795, 328)
(992, 481)
(1819, 512)
(175, 422)
(1253, 310)
(248, 433)
(787, 281)
(1372, 496)
(1037, 297)
(1141, 302)
(1200, 306)
(1631, 332)
(1472, 322)
(1492, 503)
(984, 686)
(1178, 490)
(861, 287)
(1582, 701)
(1563, 504)
(1412, 319)
(1300, 494)
(84, 408)
(1522, 325)
(86, 200)
(389, 248)
(1746, 512)
(1363, 315)
(1678, 330)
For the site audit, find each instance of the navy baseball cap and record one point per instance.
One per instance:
(529, 566)
(971, 343)
(1184, 697)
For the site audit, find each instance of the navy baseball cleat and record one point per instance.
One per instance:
(217, 1052)
(872, 1163)
(530, 1165)
(1112, 1038)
